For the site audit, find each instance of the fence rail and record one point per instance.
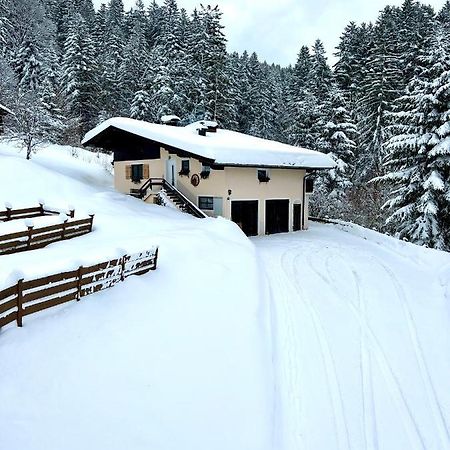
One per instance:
(31, 296)
(34, 238)
(25, 213)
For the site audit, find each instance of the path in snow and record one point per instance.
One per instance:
(361, 342)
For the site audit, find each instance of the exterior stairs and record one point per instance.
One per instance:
(172, 193)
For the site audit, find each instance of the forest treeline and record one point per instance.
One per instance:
(382, 111)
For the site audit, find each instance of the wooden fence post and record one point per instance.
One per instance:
(63, 230)
(92, 221)
(19, 303)
(156, 259)
(30, 235)
(79, 276)
(122, 264)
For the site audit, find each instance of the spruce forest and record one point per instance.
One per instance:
(382, 111)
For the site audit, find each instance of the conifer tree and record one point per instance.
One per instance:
(419, 153)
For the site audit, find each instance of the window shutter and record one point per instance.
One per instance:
(128, 172)
(146, 172)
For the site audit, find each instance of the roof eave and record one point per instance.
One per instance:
(272, 166)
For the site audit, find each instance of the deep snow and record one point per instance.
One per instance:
(334, 338)
(169, 360)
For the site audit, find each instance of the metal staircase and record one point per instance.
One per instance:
(175, 196)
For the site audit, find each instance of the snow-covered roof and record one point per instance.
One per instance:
(4, 108)
(224, 147)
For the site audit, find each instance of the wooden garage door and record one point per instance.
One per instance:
(277, 216)
(245, 214)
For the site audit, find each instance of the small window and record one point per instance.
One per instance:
(206, 203)
(309, 185)
(263, 175)
(206, 170)
(185, 167)
(137, 172)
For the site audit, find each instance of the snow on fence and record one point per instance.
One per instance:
(34, 238)
(25, 213)
(31, 296)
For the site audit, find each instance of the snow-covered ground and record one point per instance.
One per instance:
(361, 340)
(334, 338)
(174, 359)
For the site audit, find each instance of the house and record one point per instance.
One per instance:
(261, 185)
(3, 112)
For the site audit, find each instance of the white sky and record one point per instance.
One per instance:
(276, 29)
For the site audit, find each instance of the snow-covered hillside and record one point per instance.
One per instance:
(334, 338)
(174, 359)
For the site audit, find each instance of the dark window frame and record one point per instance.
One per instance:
(185, 167)
(263, 175)
(206, 171)
(137, 172)
(209, 206)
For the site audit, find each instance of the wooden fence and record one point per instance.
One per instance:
(34, 238)
(31, 296)
(24, 213)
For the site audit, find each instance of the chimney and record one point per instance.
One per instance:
(211, 126)
(170, 120)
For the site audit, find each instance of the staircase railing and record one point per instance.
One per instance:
(187, 205)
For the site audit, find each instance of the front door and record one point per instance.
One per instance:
(277, 216)
(245, 214)
(171, 172)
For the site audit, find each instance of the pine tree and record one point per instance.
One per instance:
(141, 106)
(419, 153)
(380, 87)
(78, 77)
(338, 141)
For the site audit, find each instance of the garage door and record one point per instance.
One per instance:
(277, 216)
(245, 214)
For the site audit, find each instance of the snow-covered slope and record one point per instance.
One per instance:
(174, 359)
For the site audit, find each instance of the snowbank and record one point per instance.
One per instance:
(172, 359)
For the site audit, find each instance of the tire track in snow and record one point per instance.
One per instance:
(333, 386)
(286, 361)
(412, 429)
(420, 358)
(368, 403)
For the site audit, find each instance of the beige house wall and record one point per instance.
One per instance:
(243, 183)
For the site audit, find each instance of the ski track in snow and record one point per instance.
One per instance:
(294, 266)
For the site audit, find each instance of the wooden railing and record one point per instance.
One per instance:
(25, 213)
(185, 204)
(34, 238)
(31, 296)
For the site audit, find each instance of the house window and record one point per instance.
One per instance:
(263, 175)
(185, 167)
(206, 170)
(137, 172)
(206, 203)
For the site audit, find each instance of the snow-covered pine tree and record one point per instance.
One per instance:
(141, 106)
(210, 53)
(338, 141)
(418, 161)
(380, 87)
(304, 108)
(78, 79)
